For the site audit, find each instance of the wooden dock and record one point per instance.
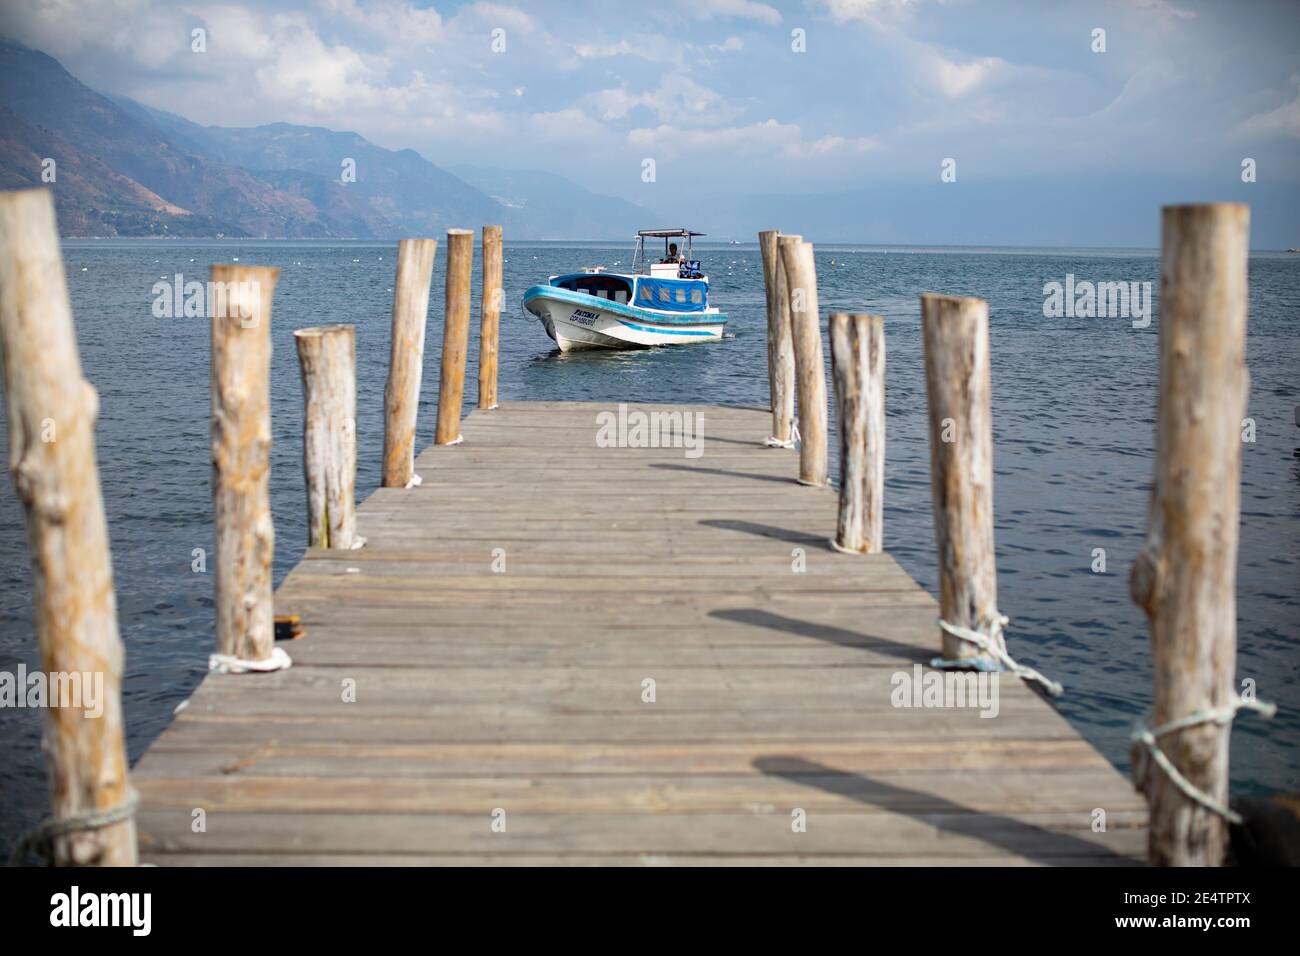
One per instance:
(497, 632)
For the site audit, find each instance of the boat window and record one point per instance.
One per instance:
(600, 286)
(620, 296)
(681, 296)
(697, 297)
(647, 294)
(665, 295)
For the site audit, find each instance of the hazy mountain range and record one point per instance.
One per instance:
(123, 169)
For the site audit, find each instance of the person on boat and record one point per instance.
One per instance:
(673, 254)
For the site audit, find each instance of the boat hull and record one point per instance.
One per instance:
(575, 320)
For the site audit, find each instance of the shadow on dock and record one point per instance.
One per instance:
(1050, 847)
(840, 636)
(801, 538)
(724, 472)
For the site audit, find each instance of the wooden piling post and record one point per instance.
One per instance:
(810, 365)
(406, 360)
(241, 460)
(858, 370)
(780, 342)
(51, 411)
(1185, 576)
(327, 356)
(455, 335)
(955, 332)
(489, 338)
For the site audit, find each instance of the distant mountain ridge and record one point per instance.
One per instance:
(123, 168)
(553, 207)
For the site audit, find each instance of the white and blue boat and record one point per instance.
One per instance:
(664, 302)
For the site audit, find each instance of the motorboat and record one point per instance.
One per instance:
(663, 300)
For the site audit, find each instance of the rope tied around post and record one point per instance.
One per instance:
(986, 640)
(774, 442)
(230, 664)
(40, 839)
(1147, 736)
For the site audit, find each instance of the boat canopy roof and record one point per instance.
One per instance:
(667, 233)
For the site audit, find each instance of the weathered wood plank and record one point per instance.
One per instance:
(942, 834)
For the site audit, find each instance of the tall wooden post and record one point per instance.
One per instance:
(810, 365)
(489, 337)
(327, 355)
(858, 370)
(455, 335)
(1185, 577)
(241, 459)
(406, 360)
(51, 411)
(780, 343)
(955, 332)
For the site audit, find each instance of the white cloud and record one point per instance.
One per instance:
(764, 139)
(867, 11)
(564, 127)
(1284, 120)
(1163, 9)
(396, 21)
(831, 145)
(604, 49)
(729, 45)
(678, 99)
(494, 15)
(958, 79)
(733, 9)
(234, 31)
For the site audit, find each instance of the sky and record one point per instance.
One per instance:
(857, 103)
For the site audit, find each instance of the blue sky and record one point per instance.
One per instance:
(719, 94)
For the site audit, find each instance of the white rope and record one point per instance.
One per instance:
(843, 550)
(775, 442)
(40, 840)
(986, 639)
(1215, 715)
(230, 664)
(415, 481)
(456, 441)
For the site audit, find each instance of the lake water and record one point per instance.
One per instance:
(1074, 402)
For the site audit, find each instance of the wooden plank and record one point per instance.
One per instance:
(335, 758)
(295, 858)
(1067, 794)
(936, 835)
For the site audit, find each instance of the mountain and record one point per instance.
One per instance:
(394, 192)
(127, 169)
(92, 199)
(551, 207)
(50, 101)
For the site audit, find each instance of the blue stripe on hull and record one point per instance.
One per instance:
(619, 310)
(646, 328)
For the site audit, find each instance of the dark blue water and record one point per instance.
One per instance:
(1074, 402)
